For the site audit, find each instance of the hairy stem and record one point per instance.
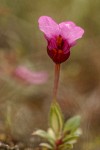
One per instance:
(56, 80)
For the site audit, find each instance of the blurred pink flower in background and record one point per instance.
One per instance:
(29, 76)
(60, 37)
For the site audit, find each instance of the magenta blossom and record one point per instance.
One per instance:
(29, 76)
(60, 37)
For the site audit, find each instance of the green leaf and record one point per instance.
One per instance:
(44, 135)
(70, 139)
(78, 132)
(51, 134)
(46, 145)
(66, 146)
(72, 124)
(40, 133)
(56, 118)
(60, 115)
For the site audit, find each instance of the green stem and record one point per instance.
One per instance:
(56, 81)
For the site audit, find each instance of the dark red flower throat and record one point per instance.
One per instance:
(58, 49)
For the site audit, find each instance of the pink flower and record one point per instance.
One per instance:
(60, 37)
(29, 76)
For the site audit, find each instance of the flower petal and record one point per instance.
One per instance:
(68, 23)
(52, 44)
(71, 32)
(48, 26)
(29, 76)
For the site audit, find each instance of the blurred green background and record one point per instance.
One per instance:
(26, 106)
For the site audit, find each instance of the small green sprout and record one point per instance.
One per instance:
(60, 135)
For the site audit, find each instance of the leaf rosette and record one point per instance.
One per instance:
(60, 135)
